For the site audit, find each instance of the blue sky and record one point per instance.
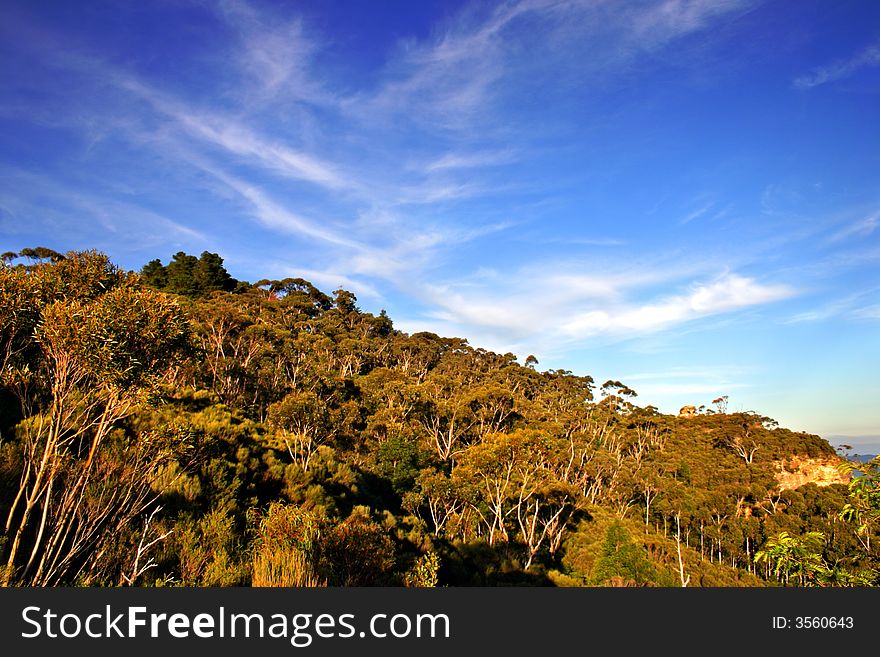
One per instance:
(683, 195)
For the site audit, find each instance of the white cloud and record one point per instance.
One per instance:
(732, 291)
(429, 193)
(861, 228)
(585, 285)
(48, 204)
(696, 214)
(469, 160)
(671, 19)
(236, 137)
(725, 294)
(451, 80)
(126, 218)
(274, 53)
(868, 312)
(540, 312)
(267, 211)
(851, 306)
(841, 69)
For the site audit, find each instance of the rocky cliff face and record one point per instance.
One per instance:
(799, 470)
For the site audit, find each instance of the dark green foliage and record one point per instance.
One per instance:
(623, 563)
(181, 275)
(210, 274)
(399, 461)
(155, 274)
(189, 276)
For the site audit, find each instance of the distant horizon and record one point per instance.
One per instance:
(862, 445)
(680, 196)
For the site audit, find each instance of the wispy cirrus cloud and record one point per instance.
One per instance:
(696, 214)
(471, 160)
(116, 89)
(856, 306)
(452, 80)
(100, 216)
(235, 137)
(274, 54)
(841, 69)
(671, 19)
(275, 215)
(867, 312)
(435, 192)
(861, 228)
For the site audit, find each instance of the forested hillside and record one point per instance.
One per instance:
(178, 427)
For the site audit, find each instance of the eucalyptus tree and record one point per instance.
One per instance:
(84, 358)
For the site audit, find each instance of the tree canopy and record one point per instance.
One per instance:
(179, 427)
(189, 276)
